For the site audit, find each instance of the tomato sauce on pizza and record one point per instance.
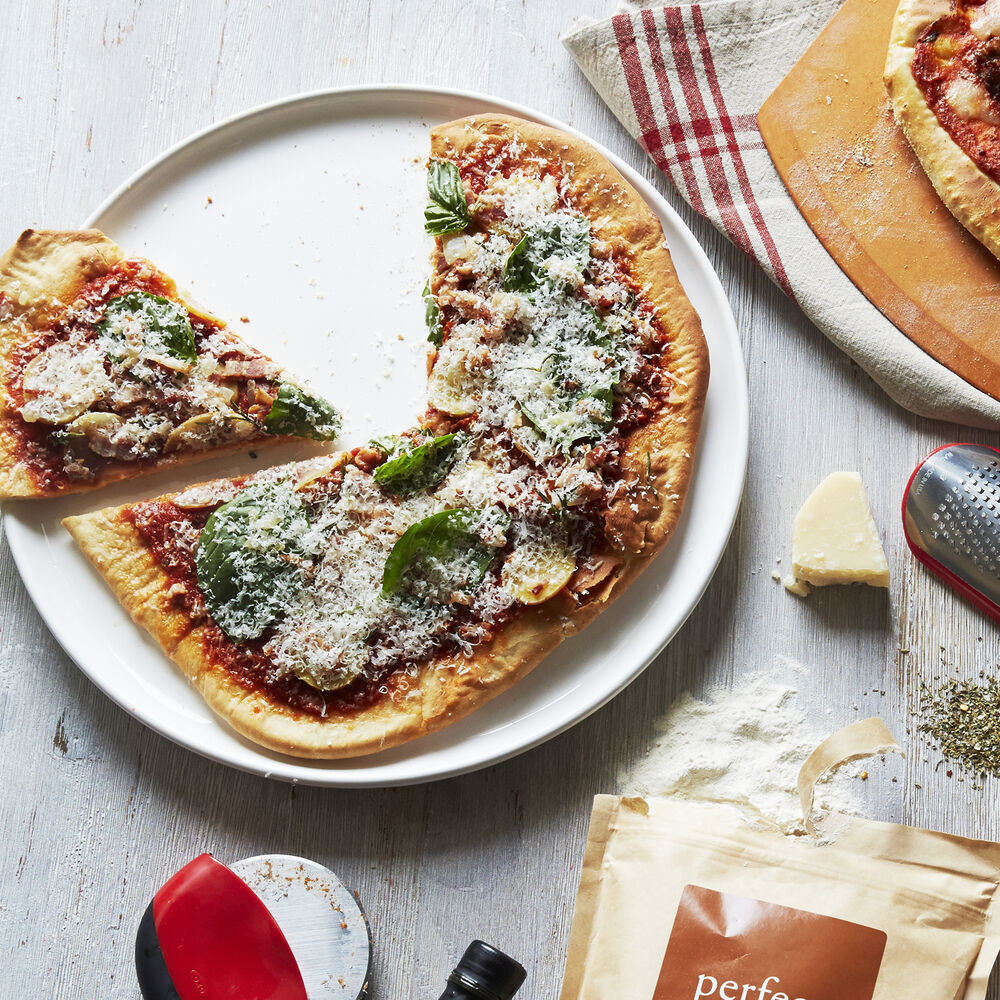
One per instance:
(956, 65)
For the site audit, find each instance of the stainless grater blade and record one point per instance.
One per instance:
(951, 519)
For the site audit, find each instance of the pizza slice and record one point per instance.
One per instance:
(943, 75)
(341, 606)
(107, 373)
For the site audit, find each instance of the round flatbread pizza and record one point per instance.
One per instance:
(943, 76)
(350, 603)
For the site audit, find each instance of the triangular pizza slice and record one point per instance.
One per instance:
(106, 372)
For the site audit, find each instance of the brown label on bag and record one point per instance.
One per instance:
(726, 947)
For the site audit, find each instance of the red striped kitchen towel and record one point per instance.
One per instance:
(686, 80)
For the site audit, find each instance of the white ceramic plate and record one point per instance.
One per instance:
(306, 217)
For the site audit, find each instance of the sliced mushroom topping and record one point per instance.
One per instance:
(452, 386)
(99, 431)
(249, 368)
(323, 466)
(169, 362)
(538, 570)
(205, 495)
(208, 429)
(215, 395)
(456, 248)
(596, 577)
(62, 382)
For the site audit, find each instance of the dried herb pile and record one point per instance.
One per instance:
(963, 718)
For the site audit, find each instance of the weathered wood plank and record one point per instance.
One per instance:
(97, 810)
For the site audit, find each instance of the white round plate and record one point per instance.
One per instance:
(306, 217)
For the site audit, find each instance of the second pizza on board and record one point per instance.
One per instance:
(943, 75)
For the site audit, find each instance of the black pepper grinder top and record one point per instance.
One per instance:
(484, 973)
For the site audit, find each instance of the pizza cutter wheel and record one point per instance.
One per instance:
(273, 927)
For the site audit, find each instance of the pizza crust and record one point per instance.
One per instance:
(658, 456)
(44, 271)
(969, 194)
(446, 689)
(661, 453)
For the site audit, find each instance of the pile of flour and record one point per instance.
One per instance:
(742, 748)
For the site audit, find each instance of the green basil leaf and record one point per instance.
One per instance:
(432, 317)
(243, 563)
(441, 554)
(518, 270)
(296, 412)
(166, 328)
(419, 467)
(564, 236)
(447, 211)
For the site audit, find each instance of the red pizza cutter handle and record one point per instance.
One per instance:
(207, 936)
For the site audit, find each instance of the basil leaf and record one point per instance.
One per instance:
(243, 562)
(564, 236)
(447, 211)
(419, 467)
(166, 328)
(432, 317)
(441, 554)
(296, 412)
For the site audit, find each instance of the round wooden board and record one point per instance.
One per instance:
(831, 134)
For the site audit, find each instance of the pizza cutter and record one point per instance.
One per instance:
(951, 519)
(274, 927)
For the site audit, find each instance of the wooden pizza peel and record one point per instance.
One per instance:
(831, 134)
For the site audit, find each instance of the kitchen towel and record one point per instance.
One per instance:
(687, 80)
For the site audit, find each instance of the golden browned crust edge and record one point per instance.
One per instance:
(968, 193)
(447, 689)
(43, 271)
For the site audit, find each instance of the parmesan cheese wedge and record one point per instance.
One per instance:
(834, 538)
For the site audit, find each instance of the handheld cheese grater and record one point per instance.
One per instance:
(951, 519)
(273, 927)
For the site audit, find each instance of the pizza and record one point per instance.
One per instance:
(346, 604)
(107, 373)
(943, 75)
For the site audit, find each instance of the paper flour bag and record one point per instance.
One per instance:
(680, 901)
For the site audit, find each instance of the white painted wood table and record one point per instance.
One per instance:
(97, 811)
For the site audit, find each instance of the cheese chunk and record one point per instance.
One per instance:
(985, 21)
(970, 101)
(834, 539)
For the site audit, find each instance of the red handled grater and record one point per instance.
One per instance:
(951, 519)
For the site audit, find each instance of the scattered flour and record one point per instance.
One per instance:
(743, 748)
